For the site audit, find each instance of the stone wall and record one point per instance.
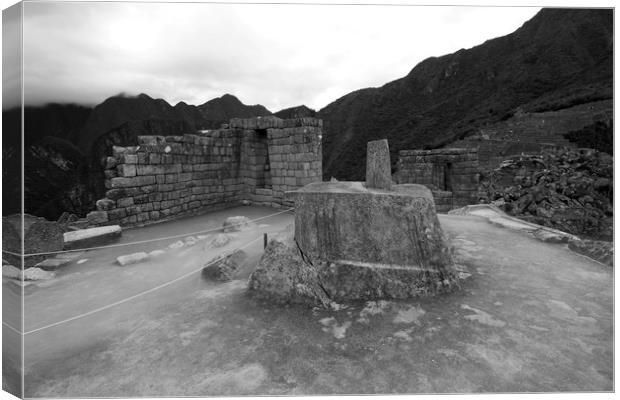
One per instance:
(491, 152)
(254, 161)
(451, 174)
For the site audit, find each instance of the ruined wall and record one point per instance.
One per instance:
(254, 161)
(451, 174)
(293, 153)
(491, 152)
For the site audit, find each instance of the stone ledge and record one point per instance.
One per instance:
(91, 236)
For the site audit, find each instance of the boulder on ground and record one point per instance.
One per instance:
(9, 271)
(157, 253)
(225, 269)
(132, 258)
(37, 274)
(238, 223)
(40, 236)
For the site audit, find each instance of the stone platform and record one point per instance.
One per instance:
(351, 242)
(348, 223)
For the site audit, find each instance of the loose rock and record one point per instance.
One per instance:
(225, 269)
(37, 274)
(132, 258)
(9, 271)
(238, 223)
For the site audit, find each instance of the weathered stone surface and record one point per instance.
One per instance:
(39, 236)
(91, 236)
(347, 223)
(286, 275)
(225, 269)
(378, 169)
(238, 223)
(283, 276)
(132, 258)
(352, 242)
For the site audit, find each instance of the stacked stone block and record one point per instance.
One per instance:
(169, 176)
(451, 174)
(295, 159)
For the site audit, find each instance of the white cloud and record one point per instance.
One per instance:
(276, 55)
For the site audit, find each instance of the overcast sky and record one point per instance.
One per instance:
(276, 55)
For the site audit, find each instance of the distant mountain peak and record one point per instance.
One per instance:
(295, 112)
(122, 108)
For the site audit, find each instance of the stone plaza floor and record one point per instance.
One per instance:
(532, 317)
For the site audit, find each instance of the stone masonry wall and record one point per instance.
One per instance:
(254, 161)
(451, 174)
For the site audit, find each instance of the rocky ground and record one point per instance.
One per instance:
(566, 189)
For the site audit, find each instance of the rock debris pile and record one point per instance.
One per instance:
(566, 189)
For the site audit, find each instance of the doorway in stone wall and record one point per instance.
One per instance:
(263, 172)
(447, 177)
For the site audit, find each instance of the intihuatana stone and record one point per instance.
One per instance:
(285, 275)
(358, 242)
(378, 169)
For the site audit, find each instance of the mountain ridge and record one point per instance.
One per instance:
(448, 97)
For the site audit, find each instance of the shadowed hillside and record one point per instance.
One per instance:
(561, 57)
(64, 144)
(118, 110)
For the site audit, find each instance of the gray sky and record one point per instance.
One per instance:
(276, 55)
